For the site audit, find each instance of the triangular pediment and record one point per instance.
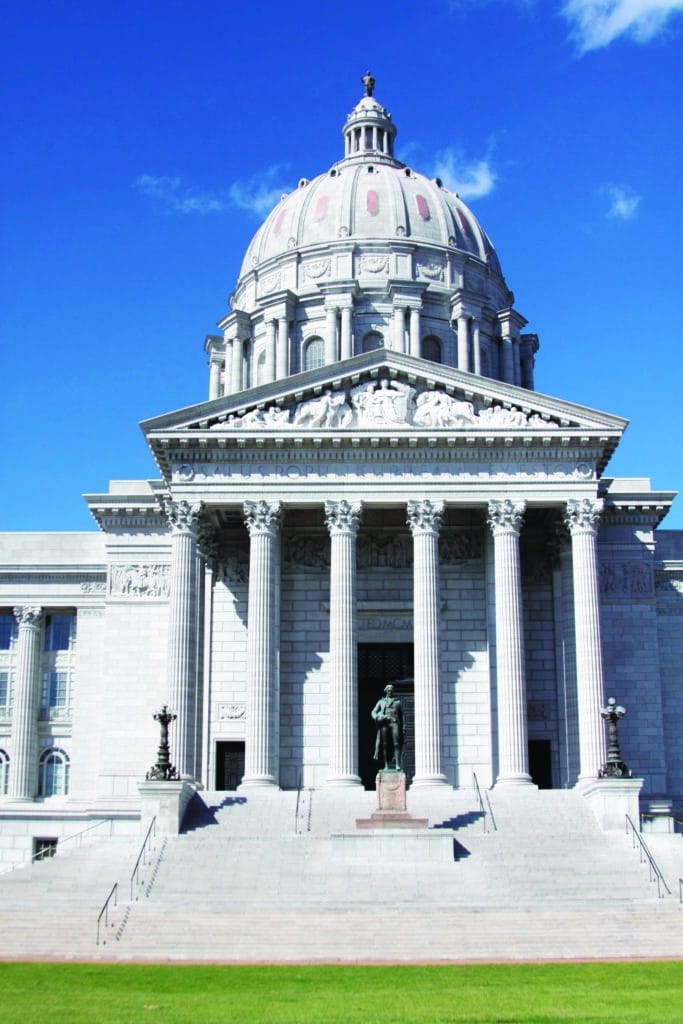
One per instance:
(384, 391)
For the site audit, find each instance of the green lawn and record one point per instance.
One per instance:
(646, 993)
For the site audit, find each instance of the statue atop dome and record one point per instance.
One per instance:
(369, 83)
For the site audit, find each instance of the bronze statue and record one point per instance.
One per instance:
(388, 713)
(369, 83)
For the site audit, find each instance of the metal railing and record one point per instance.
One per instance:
(104, 912)
(645, 855)
(485, 808)
(142, 856)
(303, 809)
(680, 891)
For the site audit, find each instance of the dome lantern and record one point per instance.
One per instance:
(369, 130)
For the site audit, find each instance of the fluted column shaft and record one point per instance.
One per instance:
(414, 331)
(261, 756)
(343, 519)
(508, 360)
(582, 517)
(424, 520)
(399, 329)
(476, 345)
(236, 368)
(463, 343)
(346, 332)
(282, 348)
(269, 365)
(227, 372)
(183, 627)
(330, 335)
(505, 520)
(214, 378)
(23, 767)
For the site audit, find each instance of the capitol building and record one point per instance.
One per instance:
(370, 491)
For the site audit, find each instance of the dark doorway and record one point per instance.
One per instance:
(229, 764)
(379, 664)
(540, 763)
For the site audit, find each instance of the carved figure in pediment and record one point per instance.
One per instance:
(497, 416)
(330, 410)
(276, 416)
(437, 409)
(385, 404)
(253, 418)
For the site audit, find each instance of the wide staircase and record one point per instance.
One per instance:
(284, 877)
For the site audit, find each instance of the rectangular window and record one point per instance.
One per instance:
(59, 631)
(4, 690)
(44, 847)
(7, 630)
(55, 690)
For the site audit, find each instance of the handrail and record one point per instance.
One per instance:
(76, 835)
(105, 911)
(296, 809)
(680, 890)
(482, 807)
(655, 873)
(151, 831)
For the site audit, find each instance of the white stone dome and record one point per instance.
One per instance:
(370, 254)
(369, 196)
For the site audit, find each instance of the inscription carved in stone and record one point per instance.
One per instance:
(231, 712)
(626, 578)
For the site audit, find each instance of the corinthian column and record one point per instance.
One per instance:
(23, 767)
(582, 517)
(262, 519)
(343, 519)
(505, 520)
(424, 520)
(182, 673)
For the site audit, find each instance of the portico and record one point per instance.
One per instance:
(364, 518)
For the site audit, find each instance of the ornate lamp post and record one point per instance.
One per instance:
(163, 770)
(614, 767)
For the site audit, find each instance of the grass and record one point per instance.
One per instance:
(608, 993)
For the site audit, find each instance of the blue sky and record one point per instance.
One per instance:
(144, 143)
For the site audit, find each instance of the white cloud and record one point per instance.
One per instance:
(471, 179)
(597, 23)
(256, 195)
(623, 202)
(260, 193)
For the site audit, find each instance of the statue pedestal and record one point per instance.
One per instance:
(165, 801)
(391, 804)
(611, 800)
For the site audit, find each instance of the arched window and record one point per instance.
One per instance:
(53, 773)
(314, 353)
(431, 349)
(4, 771)
(372, 340)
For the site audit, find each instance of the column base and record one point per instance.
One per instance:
(516, 779)
(420, 781)
(335, 781)
(258, 782)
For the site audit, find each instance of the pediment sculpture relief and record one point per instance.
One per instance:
(388, 404)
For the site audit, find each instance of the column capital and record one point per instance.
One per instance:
(262, 517)
(582, 515)
(28, 615)
(343, 516)
(424, 516)
(183, 516)
(505, 516)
